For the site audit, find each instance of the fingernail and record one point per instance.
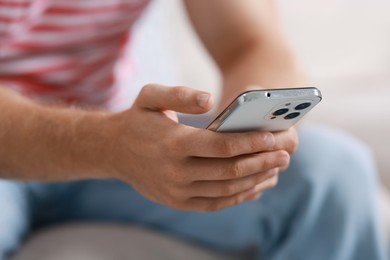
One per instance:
(269, 140)
(284, 160)
(203, 99)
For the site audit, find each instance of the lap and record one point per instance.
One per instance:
(323, 161)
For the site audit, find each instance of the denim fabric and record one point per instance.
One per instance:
(324, 207)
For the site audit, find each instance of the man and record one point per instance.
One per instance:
(64, 51)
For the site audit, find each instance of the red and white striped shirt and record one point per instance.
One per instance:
(64, 49)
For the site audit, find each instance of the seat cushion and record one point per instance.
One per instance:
(96, 241)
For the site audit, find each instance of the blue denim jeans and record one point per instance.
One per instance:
(324, 207)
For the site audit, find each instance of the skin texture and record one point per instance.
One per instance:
(172, 164)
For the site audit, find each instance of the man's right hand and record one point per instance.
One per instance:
(188, 168)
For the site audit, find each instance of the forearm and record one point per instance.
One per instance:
(267, 66)
(47, 143)
(246, 41)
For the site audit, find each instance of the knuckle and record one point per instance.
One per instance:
(179, 93)
(146, 90)
(228, 189)
(145, 94)
(214, 206)
(226, 147)
(267, 162)
(236, 170)
(253, 144)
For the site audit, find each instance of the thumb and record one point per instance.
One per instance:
(180, 99)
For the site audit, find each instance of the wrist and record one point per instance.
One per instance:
(93, 149)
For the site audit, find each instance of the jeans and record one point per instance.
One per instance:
(324, 207)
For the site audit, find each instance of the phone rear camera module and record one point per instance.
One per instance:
(280, 112)
(292, 115)
(303, 106)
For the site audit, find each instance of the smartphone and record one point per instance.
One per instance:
(266, 110)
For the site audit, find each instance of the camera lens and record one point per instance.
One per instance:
(292, 115)
(303, 106)
(280, 112)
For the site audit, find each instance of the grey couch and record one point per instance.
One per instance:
(97, 241)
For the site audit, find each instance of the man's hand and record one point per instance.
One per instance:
(188, 168)
(170, 163)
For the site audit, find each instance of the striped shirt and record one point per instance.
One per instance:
(64, 49)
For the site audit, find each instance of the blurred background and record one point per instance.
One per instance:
(344, 45)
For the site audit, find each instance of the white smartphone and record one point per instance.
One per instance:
(266, 110)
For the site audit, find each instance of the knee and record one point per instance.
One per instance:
(337, 166)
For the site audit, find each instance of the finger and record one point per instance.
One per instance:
(180, 99)
(253, 197)
(260, 188)
(286, 140)
(216, 204)
(231, 94)
(283, 168)
(204, 169)
(230, 187)
(266, 185)
(205, 143)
